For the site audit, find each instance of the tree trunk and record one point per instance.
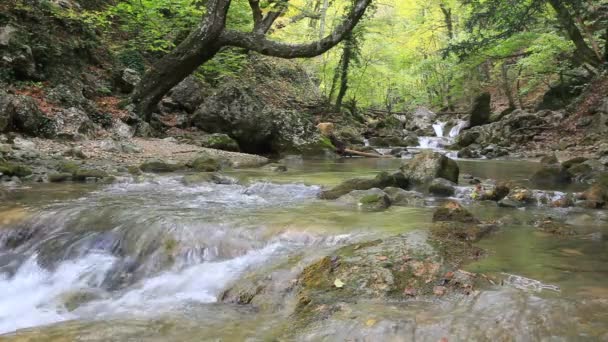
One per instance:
(200, 46)
(506, 84)
(584, 54)
(347, 55)
(447, 17)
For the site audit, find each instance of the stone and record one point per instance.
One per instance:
(574, 161)
(404, 198)
(219, 141)
(481, 111)
(127, 80)
(159, 166)
(550, 159)
(552, 175)
(326, 128)
(59, 177)
(206, 177)
(188, 94)
(442, 187)
(367, 200)
(382, 180)
(428, 165)
(82, 175)
(490, 191)
(453, 212)
(205, 164)
(21, 113)
(275, 168)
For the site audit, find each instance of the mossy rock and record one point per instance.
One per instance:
(453, 212)
(60, 177)
(159, 166)
(68, 167)
(382, 180)
(428, 165)
(574, 161)
(206, 164)
(134, 170)
(470, 232)
(442, 187)
(82, 175)
(367, 200)
(220, 142)
(551, 175)
(12, 169)
(400, 197)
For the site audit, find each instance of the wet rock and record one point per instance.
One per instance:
(467, 138)
(442, 187)
(76, 152)
(581, 172)
(144, 130)
(59, 177)
(550, 159)
(367, 200)
(411, 139)
(275, 168)
(481, 111)
(453, 212)
(218, 141)
(206, 177)
(83, 175)
(551, 226)
(426, 166)
(468, 153)
(127, 80)
(517, 198)
(159, 166)
(421, 120)
(205, 164)
(596, 196)
(573, 162)
(551, 175)
(400, 197)
(382, 180)
(490, 191)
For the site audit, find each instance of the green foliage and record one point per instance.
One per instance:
(131, 58)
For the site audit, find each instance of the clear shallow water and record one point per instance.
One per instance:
(149, 260)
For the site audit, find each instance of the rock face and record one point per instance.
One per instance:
(219, 141)
(481, 111)
(381, 181)
(269, 115)
(421, 121)
(127, 80)
(187, 95)
(21, 113)
(426, 166)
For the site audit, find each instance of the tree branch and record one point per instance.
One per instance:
(259, 43)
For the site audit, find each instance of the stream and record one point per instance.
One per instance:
(149, 259)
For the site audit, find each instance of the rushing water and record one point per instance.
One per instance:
(149, 259)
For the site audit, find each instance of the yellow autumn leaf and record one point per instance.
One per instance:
(338, 283)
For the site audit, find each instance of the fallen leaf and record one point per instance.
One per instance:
(382, 257)
(449, 275)
(570, 251)
(370, 322)
(338, 283)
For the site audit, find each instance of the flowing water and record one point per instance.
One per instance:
(148, 260)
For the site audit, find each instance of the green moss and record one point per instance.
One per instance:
(68, 167)
(11, 169)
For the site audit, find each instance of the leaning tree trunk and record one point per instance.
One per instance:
(347, 55)
(584, 53)
(200, 46)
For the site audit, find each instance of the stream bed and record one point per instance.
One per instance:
(149, 260)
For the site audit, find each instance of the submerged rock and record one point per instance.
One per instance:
(206, 164)
(367, 200)
(206, 177)
(453, 212)
(426, 166)
(442, 187)
(518, 197)
(274, 167)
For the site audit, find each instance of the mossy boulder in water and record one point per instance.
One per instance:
(442, 187)
(549, 159)
(382, 180)
(597, 195)
(518, 197)
(159, 166)
(367, 200)
(490, 191)
(426, 166)
(453, 212)
(552, 175)
(82, 175)
(59, 177)
(404, 198)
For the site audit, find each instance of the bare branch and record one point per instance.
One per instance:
(259, 43)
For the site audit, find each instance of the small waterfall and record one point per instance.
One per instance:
(366, 142)
(439, 127)
(455, 131)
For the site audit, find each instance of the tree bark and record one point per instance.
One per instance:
(199, 47)
(584, 54)
(347, 55)
(447, 17)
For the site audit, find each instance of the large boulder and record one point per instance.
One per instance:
(597, 195)
(428, 165)
(404, 198)
(421, 121)
(127, 80)
(552, 175)
(382, 180)
(187, 95)
(442, 187)
(481, 111)
(21, 113)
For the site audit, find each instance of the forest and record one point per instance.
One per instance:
(303, 170)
